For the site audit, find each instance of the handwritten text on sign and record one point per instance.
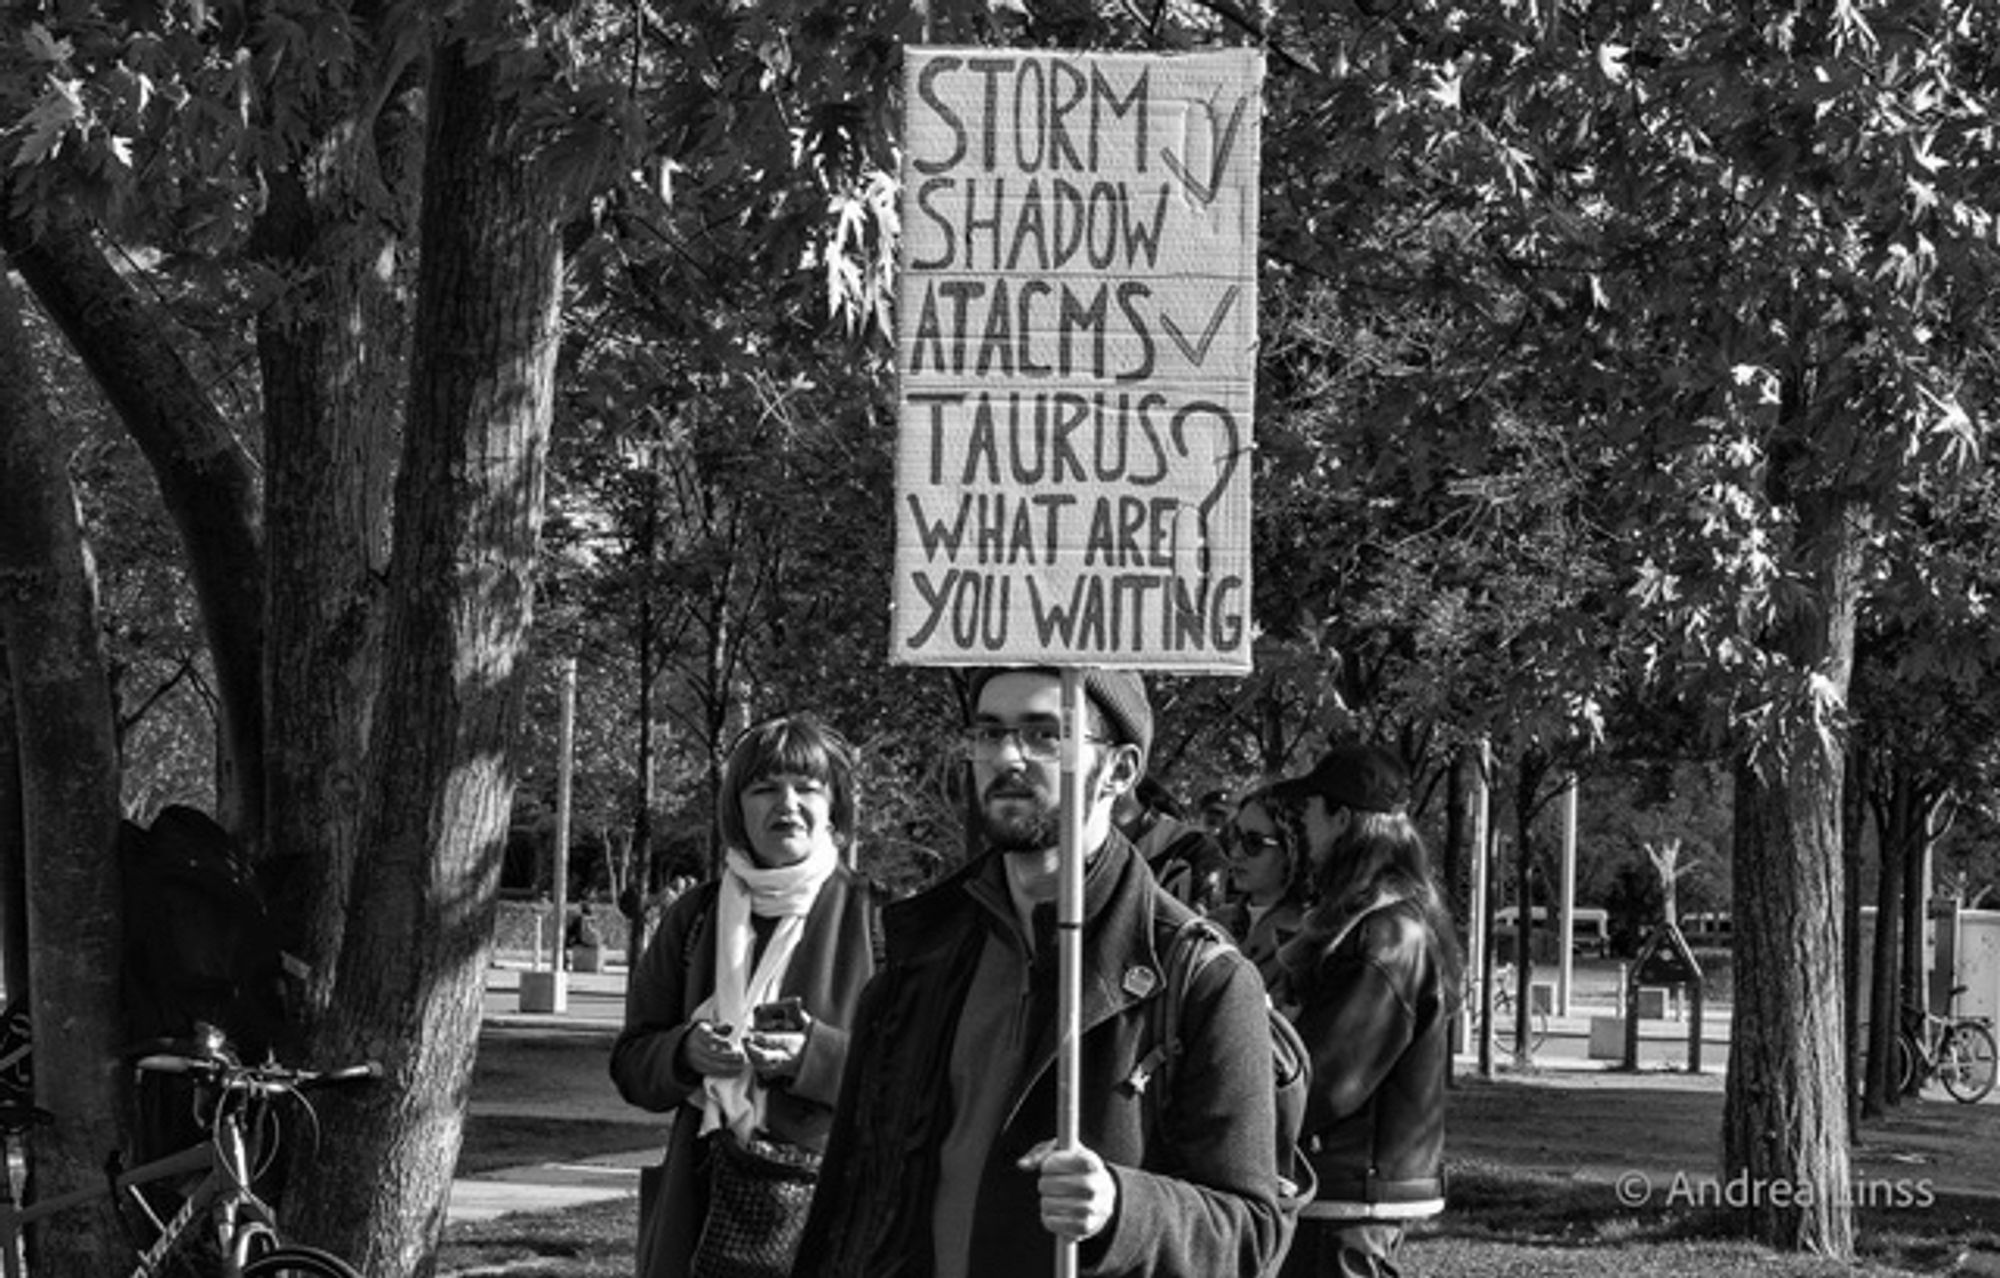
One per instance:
(1077, 338)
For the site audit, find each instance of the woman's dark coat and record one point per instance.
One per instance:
(834, 959)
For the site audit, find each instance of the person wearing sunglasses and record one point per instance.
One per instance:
(1268, 878)
(942, 1161)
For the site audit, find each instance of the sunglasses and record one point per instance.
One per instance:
(1253, 842)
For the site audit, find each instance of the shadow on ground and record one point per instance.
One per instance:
(548, 1098)
(1634, 1163)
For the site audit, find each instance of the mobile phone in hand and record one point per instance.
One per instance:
(783, 1016)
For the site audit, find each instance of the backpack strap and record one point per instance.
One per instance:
(1195, 944)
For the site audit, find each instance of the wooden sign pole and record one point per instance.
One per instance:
(1069, 939)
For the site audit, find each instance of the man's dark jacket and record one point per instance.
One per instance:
(1199, 1198)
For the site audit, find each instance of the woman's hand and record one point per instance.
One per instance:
(775, 1054)
(1079, 1194)
(712, 1050)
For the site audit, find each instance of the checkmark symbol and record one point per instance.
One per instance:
(1206, 191)
(1197, 352)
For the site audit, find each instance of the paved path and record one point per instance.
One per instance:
(595, 1001)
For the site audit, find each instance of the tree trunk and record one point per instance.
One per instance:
(1533, 769)
(1853, 820)
(646, 875)
(13, 847)
(1273, 743)
(1885, 1002)
(1454, 863)
(1912, 835)
(69, 815)
(409, 981)
(205, 478)
(331, 353)
(1785, 1107)
(643, 877)
(1785, 1124)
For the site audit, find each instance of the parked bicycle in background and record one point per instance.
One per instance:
(1957, 1051)
(199, 1205)
(1506, 1012)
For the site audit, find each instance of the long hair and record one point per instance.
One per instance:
(788, 745)
(1289, 818)
(1382, 853)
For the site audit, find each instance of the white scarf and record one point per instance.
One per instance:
(786, 893)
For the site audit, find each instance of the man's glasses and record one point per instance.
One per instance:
(1041, 742)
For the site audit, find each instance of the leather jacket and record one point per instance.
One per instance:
(1372, 1004)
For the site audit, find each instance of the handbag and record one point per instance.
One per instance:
(758, 1193)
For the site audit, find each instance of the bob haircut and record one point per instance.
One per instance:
(788, 745)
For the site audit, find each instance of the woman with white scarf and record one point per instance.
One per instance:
(736, 1015)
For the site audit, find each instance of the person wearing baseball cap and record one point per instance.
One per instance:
(1370, 980)
(1348, 783)
(943, 1161)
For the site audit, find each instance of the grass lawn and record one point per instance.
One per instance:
(1503, 1222)
(1536, 1162)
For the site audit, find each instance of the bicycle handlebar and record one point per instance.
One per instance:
(230, 1076)
(366, 1071)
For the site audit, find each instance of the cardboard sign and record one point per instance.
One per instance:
(1077, 333)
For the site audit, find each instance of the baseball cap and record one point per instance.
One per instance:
(1362, 777)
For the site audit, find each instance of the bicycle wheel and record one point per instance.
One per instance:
(1507, 1017)
(1904, 1064)
(299, 1262)
(1965, 1064)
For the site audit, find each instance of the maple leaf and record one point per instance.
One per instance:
(44, 47)
(49, 120)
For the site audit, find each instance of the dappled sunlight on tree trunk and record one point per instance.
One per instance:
(1785, 1125)
(332, 354)
(408, 985)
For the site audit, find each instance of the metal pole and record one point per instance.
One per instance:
(565, 741)
(1566, 942)
(549, 991)
(1481, 929)
(1069, 939)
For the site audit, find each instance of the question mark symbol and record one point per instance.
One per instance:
(1229, 459)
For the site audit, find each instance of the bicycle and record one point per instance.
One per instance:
(1506, 1018)
(239, 1105)
(1957, 1051)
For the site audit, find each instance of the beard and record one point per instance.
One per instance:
(1039, 827)
(1035, 822)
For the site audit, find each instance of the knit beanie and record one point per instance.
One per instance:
(1119, 695)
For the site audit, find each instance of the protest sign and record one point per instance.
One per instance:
(1077, 332)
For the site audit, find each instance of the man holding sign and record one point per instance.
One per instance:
(942, 1160)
